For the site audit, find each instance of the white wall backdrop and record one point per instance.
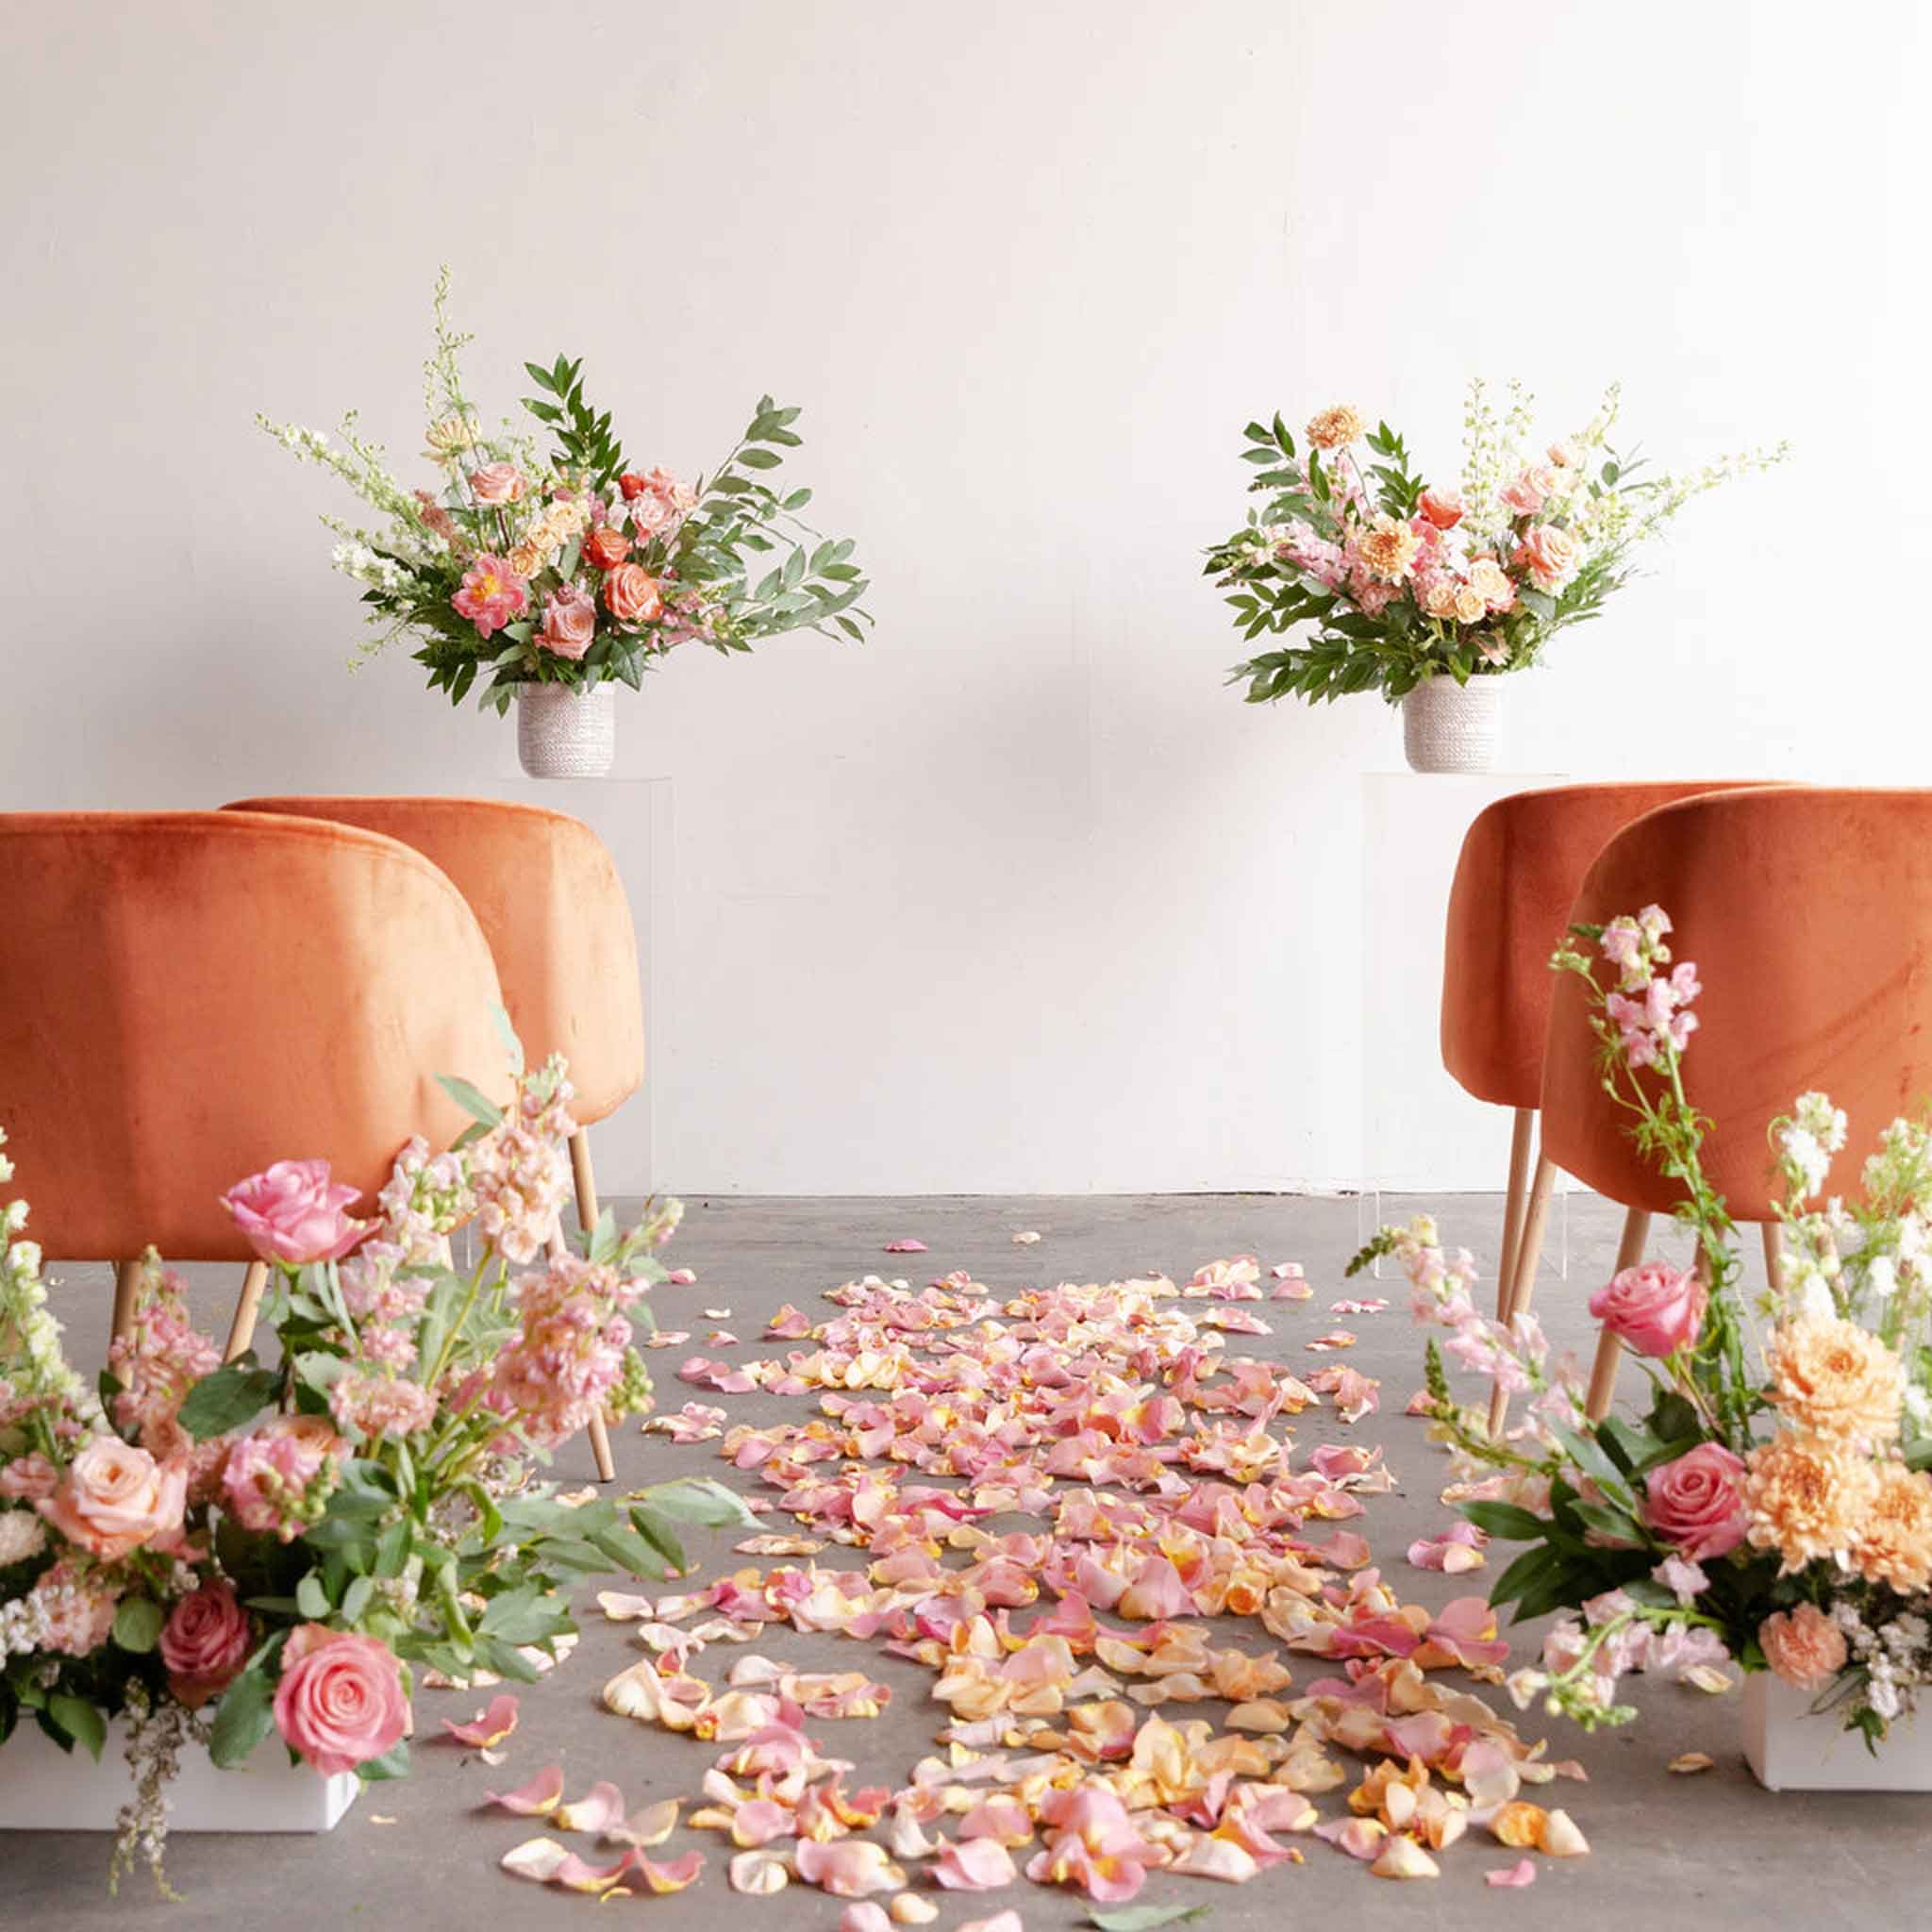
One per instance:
(1017, 896)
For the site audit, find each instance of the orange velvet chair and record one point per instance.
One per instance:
(1518, 874)
(1808, 913)
(188, 996)
(554, 911)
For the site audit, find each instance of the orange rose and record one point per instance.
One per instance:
(607, 546)
(630, 595)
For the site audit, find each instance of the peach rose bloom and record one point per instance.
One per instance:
(1442, 507)
(607, 546)
(1441, 600)
(1805, 1497)
(497, 483)
(1521, 496)
(115, 1498)
(1550, 556)
(1471, 605)
(630, 595)
(1492, 582)
(1803, 1647)
(1335, 428)
(1894, 1541)
(1833, 1379)
(570, 622)
(339, 1702)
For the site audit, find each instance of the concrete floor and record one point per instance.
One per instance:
(1712, 1850)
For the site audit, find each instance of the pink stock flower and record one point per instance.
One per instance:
(492, 594)
(116, 1497)
(280, 1479)
(570, 622)
(1697, 1502)
(28, 1477)
(1803, 1647)
(374, 1405)
(72, 1607)
(495, 483)
(291, 1213)
(205, 1643)
(339, 1702)
(1655, 1308)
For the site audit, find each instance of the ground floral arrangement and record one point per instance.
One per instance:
(574, 568)
(210, 1553)
(1097, 1729)
(1404, 580)
(1770, 1503)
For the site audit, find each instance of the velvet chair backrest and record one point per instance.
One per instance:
(1521, 863)
(1808, 914)
(188, 996)
(548, 898)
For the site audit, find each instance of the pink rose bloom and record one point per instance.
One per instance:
(30, 1477)
(290, 1213)
(1803, 1647)
(492, 594)
(1696, 1501)
(1442, 507)
(1656, 1309)
(205, 1643)
(115, 1498)
(278, 1480)
(1550, 556)
(497, 483)
(570, 622)
(339, 1702)
(1521, 496)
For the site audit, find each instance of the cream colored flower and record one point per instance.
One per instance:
(1441, 602)
(1490, 581)
(1388, 549)
(1894, 1541)
(1833, 1379)
(1335, 428)
(448, 437)
(1805, 1497)
(1471, 605)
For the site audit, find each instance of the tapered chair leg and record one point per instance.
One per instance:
(587, 1217)
(127, 1285)
(1513, 1203)
(1529, 1250)
(242, 1329)
(1774, 1255)
(1603, 1374)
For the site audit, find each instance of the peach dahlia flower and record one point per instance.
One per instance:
(1806, 1497)
(1831, 1377)
(1895, 1540)
(1335, 428)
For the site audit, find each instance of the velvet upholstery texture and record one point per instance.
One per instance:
(1520, 866)
(1808, 913)
(188, 996)
(547, 896)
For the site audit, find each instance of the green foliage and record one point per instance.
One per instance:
(227, 1398)
(584, 446)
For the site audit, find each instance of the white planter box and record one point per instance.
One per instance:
(44, 1788)
(1791, 1749)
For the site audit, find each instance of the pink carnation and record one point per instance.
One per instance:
(1804, 1646)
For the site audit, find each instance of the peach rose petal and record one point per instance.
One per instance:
(1007, 1921)
(489, 1726)
(849, 1868)
(978, 1864)
(1025, 1238)
(1689, 1762)
(908, 1908)
(1560, 1838)
(675, 1877)
(650, 1826)
(1402, 1858)
(759, 1874)
(867, 1915)
(537, 1859)
(600, 1810)
(537, 1799)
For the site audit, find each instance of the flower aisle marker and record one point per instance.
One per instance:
(1771, 1505)
(550, 577)
(1425, 594)
(204, 1556)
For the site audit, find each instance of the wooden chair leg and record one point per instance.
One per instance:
(1523, 1276)
(587, 1218)
(241, 1330)
(126, 1285)
(1513, 1203)
(1774, 1255)
(1603, 1374)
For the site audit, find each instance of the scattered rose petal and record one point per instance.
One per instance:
(681, 1277)
(1025, 1237)
(601, 1810)
(535, 1858)
(906, 1248)
(489, 1726)
(1707, 1679)
(537, 1799)
(1522, 1873)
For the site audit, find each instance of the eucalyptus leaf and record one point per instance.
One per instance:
(138, 1624)
(1144, 1917)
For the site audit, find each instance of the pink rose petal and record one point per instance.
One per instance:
(489, 1726)
(537, 1799)
(1522, 1873)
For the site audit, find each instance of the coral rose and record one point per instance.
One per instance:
(1806, 1496)
(570, 622)
(1696, 1501)
(1442, 507)
(205, 1643)
(1550, 556)
(1833, 1379)
(1521, 496)
(1655, 1310)
(339, 1702)
(1803, 1647)
(497, 483)
(1893, 1543)
(290, 1212)
(607, 546)
(115, 1498)
(631, 595)
(1335, 428)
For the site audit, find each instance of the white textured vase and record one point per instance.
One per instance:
(1448, 726)
(1792, 1748)
(44, 1788)
(563, 733)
